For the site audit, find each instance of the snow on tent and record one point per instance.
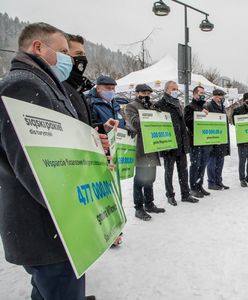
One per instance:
(157, 74)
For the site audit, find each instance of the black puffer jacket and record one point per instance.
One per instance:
(172, 106)
(26, 227)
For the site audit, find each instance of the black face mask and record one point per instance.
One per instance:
(144, 98)
(80, 63)
(146, 101)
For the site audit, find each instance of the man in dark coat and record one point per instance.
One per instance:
(28, 233)
(77, 83)
(169, 103)
(198, 154)
(77, 78)
(218, 152)
(242, 148)
(145, 173)
(75, 86)
(102, 101)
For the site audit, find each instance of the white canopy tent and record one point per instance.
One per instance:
(160, 72)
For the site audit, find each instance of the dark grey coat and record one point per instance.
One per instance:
(27, 230)
(133, 123)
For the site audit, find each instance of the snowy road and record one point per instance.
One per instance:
(192, 252)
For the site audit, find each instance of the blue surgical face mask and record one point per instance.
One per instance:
(63, 66)
(174, 94)
(107, 95)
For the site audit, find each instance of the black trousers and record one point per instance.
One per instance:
(143, 186)
(199, 159)
(182, 170)
(243, 162)
(56, 282)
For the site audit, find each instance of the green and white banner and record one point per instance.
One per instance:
(241, 126)
(210, 129)
(123, 152)
(71, 169)
(157, 131)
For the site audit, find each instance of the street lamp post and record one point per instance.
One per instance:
(187, 66)
(161, 9)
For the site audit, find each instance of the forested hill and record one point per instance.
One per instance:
(101, 60)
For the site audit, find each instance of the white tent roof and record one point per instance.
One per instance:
(156, 76)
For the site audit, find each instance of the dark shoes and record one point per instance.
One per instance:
(204, 192)
(90, 298)
(190, 199)
(225, 187)
(196, 194)
(214, 187)
(218, 187)
(154, 209)
(172, 201)
(243, 183)
(142, 214)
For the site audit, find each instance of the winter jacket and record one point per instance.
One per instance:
(224, 149)
(241, 110)
(79, 103)
(172, 106)
(28, 233)
(133, 124)
(195, 105)
(102, 110)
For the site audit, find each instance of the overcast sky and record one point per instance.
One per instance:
(117, 22)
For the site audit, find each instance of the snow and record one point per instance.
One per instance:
(192, 252)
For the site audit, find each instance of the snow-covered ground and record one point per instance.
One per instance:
(192, 252)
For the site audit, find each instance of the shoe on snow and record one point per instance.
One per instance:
(215, 187)
(172, 201)
(243, 183)
(205, 193)
(225, 187)
(196, 194)
(190, 199)
(154, 209)
(142, 214)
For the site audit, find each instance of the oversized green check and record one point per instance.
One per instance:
(210, 129)
(157, 131)
(123, 152)
(71, 170)
(241, 127)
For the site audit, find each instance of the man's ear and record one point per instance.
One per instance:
(36, 47)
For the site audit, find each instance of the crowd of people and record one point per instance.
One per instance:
(48, 71)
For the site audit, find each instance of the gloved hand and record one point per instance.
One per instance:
(156, 108)
(87, 84)
(131, 133)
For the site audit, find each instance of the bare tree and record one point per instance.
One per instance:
(197, 66)
(144, 57)
(242, 88)
(212, 74)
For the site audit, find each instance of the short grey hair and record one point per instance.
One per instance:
(40, 31)
(168, 83)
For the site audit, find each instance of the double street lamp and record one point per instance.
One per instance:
(161, 9)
